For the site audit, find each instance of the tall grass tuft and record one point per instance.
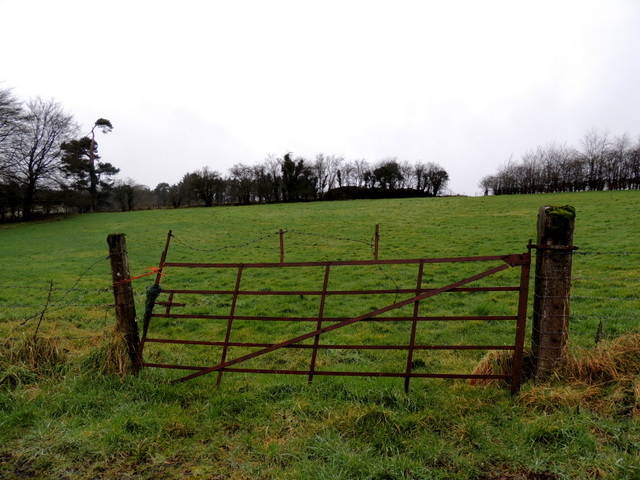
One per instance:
(500, 362)
(605, 379)
(23, 361)
(110, 358)
(613, 361)
(41, 354)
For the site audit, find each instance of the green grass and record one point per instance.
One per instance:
(60, 417)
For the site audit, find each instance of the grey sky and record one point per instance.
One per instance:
(462, 83)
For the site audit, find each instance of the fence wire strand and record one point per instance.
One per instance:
(606, 321)
(332, 237)
(226, 247)
(601, 314)
(58, 302)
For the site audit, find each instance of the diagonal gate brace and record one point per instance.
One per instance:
(508, 263)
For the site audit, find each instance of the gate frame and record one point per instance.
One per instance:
(419, 293)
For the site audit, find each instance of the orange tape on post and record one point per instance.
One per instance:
(151, 271)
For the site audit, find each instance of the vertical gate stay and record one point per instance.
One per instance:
(316, 340)
(414, 327)
(323, 324)
(232, 313)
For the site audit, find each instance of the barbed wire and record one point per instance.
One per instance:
(608, 326)
(599, 281)
(57, 303)
(582, 297)
(186, 245)
(57, 289)
(370, 244)
(603, 317)
(258, 239)
(631, 299)
(102, 259)
(605, 253)
(333, 237)
(65, 337)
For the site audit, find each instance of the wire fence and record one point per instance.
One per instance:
(605, 291)
(607, 305)
(93, 307)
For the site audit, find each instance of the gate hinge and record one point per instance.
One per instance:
(517, 259)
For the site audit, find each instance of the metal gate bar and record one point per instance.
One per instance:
(316, 340)
(328, 324)
(227, 337)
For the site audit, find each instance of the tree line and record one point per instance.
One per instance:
(47, 166)
(601, 162)
(296, 179)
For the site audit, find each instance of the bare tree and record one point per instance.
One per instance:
(11, 124)
(326, 169)
(594, 148)
(432, 179)
(601, 163)
(35, 154)
(273, 171)
(320, 171)
(633, 166)
(242, 184)
(360, 169)
(406, 174)
(616, 175)
(334, 164)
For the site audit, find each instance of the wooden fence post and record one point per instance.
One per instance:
(281, 232)
(123, 296)
(376, 242)
(554, 251)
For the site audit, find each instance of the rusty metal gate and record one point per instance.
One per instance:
(407, 304)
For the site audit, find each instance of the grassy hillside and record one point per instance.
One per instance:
(61, 417)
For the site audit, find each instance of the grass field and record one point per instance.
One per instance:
(61, 416)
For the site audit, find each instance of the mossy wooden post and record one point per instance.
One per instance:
(552, 286)
(281, 232)
(123, 295)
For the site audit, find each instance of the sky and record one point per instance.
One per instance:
(466, 84)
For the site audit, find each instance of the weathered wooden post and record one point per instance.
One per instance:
(281, 232)
(123, 295)
(376, 242)
(554, 251)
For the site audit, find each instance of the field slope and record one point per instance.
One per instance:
(62, 416)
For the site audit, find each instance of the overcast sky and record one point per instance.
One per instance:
(465, 84)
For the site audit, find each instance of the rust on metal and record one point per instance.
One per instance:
(316, 339)
(520, 326)
(414, 328)
(325, 324)
(403, 261)
(234, 302)
(336, 292)
(338, 319)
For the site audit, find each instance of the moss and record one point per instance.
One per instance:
(560, 222)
